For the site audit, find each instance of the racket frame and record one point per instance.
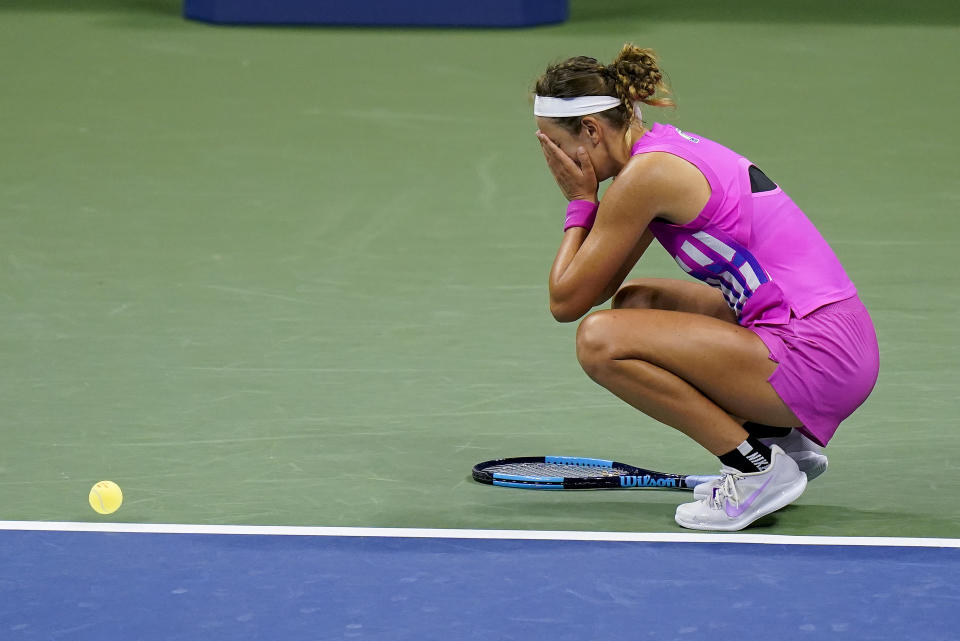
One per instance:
(632, 477)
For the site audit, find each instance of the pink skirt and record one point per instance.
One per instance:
(828, 362)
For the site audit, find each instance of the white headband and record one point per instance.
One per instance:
(549, 107)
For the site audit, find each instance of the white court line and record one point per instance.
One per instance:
(525, 535)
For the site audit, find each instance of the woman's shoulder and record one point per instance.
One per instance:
(672, 186)
(660, 168)
(644, 172)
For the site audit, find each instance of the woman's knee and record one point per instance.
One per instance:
(594, 344)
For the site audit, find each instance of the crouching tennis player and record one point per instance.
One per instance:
(761, 361)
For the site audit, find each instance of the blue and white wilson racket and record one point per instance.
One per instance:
(575, 473)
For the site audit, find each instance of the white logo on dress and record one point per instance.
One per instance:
(693, 139)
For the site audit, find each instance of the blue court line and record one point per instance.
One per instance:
(86, 585)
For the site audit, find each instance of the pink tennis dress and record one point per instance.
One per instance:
(781, 278)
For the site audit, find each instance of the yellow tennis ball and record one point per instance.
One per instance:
(106, 497)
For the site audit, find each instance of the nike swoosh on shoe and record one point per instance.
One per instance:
(734, 512)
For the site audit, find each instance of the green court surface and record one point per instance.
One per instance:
(297, 276)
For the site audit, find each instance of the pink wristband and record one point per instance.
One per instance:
(580, 213)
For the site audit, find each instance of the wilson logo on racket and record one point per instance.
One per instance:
(646, 481)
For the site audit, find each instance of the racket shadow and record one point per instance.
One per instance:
(581, 510)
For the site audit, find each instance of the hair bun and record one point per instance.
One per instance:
(637, 76)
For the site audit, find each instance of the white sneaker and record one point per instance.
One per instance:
(808, 455)
(705, 490)
(740, 498)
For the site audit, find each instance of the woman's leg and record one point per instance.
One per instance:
(688, 370)
(678, 295)
(673, 350)
(697, 298)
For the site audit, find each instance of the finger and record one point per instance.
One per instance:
(545, 142)
(547, 155)
(555, 156)
(545, 145)
(561, 158)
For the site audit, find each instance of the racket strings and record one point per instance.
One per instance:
(553, 469)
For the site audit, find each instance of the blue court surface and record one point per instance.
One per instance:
(129, 581)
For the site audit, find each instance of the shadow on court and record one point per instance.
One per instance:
(653, 512)
(840, 520)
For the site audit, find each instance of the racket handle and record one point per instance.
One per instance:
(694, 481)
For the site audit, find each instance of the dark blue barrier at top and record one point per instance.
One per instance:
(445, 13)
